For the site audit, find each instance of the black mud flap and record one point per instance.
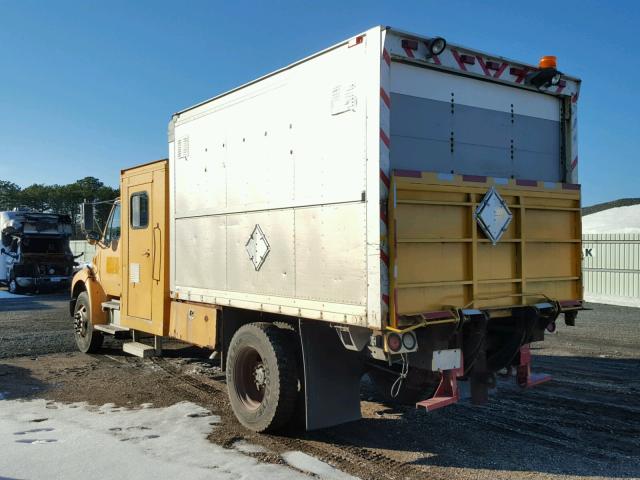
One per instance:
(331, 377)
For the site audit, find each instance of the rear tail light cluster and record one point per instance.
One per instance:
(401, 342)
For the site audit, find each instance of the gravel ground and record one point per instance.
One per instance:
(585, 423)
(35, 325)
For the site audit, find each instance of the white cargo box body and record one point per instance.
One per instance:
(276, 187)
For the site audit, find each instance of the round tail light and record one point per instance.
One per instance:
(409, 341)
(394, 342)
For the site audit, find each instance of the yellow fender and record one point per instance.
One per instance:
(85, 280)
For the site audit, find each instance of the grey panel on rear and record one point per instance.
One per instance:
(436, 136)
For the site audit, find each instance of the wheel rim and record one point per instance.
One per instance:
(80, 321)
(250, 379)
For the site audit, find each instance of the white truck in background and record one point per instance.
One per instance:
(34, 250)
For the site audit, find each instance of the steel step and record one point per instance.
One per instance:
(139, 349)
(110, 305)
(115, 330)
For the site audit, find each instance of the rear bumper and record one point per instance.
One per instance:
(571, 305)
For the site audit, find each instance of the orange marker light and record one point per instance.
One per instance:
(548, 61)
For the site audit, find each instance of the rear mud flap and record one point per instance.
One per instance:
(331, 377)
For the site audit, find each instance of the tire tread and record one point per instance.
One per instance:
(281, 341)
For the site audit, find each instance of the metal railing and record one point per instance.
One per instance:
(611, 268)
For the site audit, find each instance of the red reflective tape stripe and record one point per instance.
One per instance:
(395, 302)
(385, 97)
(436, 315)
(384, 138)
(570, 303)
(474, 178)
(408, 173)
(560, 88)
(386, 57)
(435, 58)
(483, 66)
(459, 61)
(383, 213)
(385, 179)
(527, 183)
(384, 257)
(574, 97)
(385, 298)
(395, 241)
(500, 70)
(523, 75)
(574, 163)
(409, 52)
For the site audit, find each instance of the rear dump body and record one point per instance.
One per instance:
(372, 208)
(35, 252)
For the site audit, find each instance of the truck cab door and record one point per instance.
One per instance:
(145, 291)
(107, 258)
(140, 251)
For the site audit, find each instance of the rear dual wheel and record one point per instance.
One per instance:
(262, 376)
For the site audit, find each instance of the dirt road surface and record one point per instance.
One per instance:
(583, 424)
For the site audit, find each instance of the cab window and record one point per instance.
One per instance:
(112, 232)
(139, 210)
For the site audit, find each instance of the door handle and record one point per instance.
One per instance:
(146, 253)
(157, 255)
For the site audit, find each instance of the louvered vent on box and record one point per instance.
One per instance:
(183, 147)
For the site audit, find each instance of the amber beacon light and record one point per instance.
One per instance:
(548, 61)
(547, 74)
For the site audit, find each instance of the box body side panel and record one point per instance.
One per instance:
(269, 192)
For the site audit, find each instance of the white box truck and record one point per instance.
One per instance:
(394, 204)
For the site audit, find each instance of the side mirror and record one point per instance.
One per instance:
(93, 237)
(86, 217)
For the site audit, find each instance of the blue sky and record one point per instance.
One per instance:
(88, 87)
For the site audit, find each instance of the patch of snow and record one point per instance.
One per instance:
(310, 464)
(78, 442)
(613, 220)
(6, 295)
(246, 447)
(612, 300)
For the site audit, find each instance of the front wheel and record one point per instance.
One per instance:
(87, 339)
(262, 376)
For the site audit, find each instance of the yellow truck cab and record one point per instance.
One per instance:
(393, 205)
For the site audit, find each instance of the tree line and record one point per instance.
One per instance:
(65, 199)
